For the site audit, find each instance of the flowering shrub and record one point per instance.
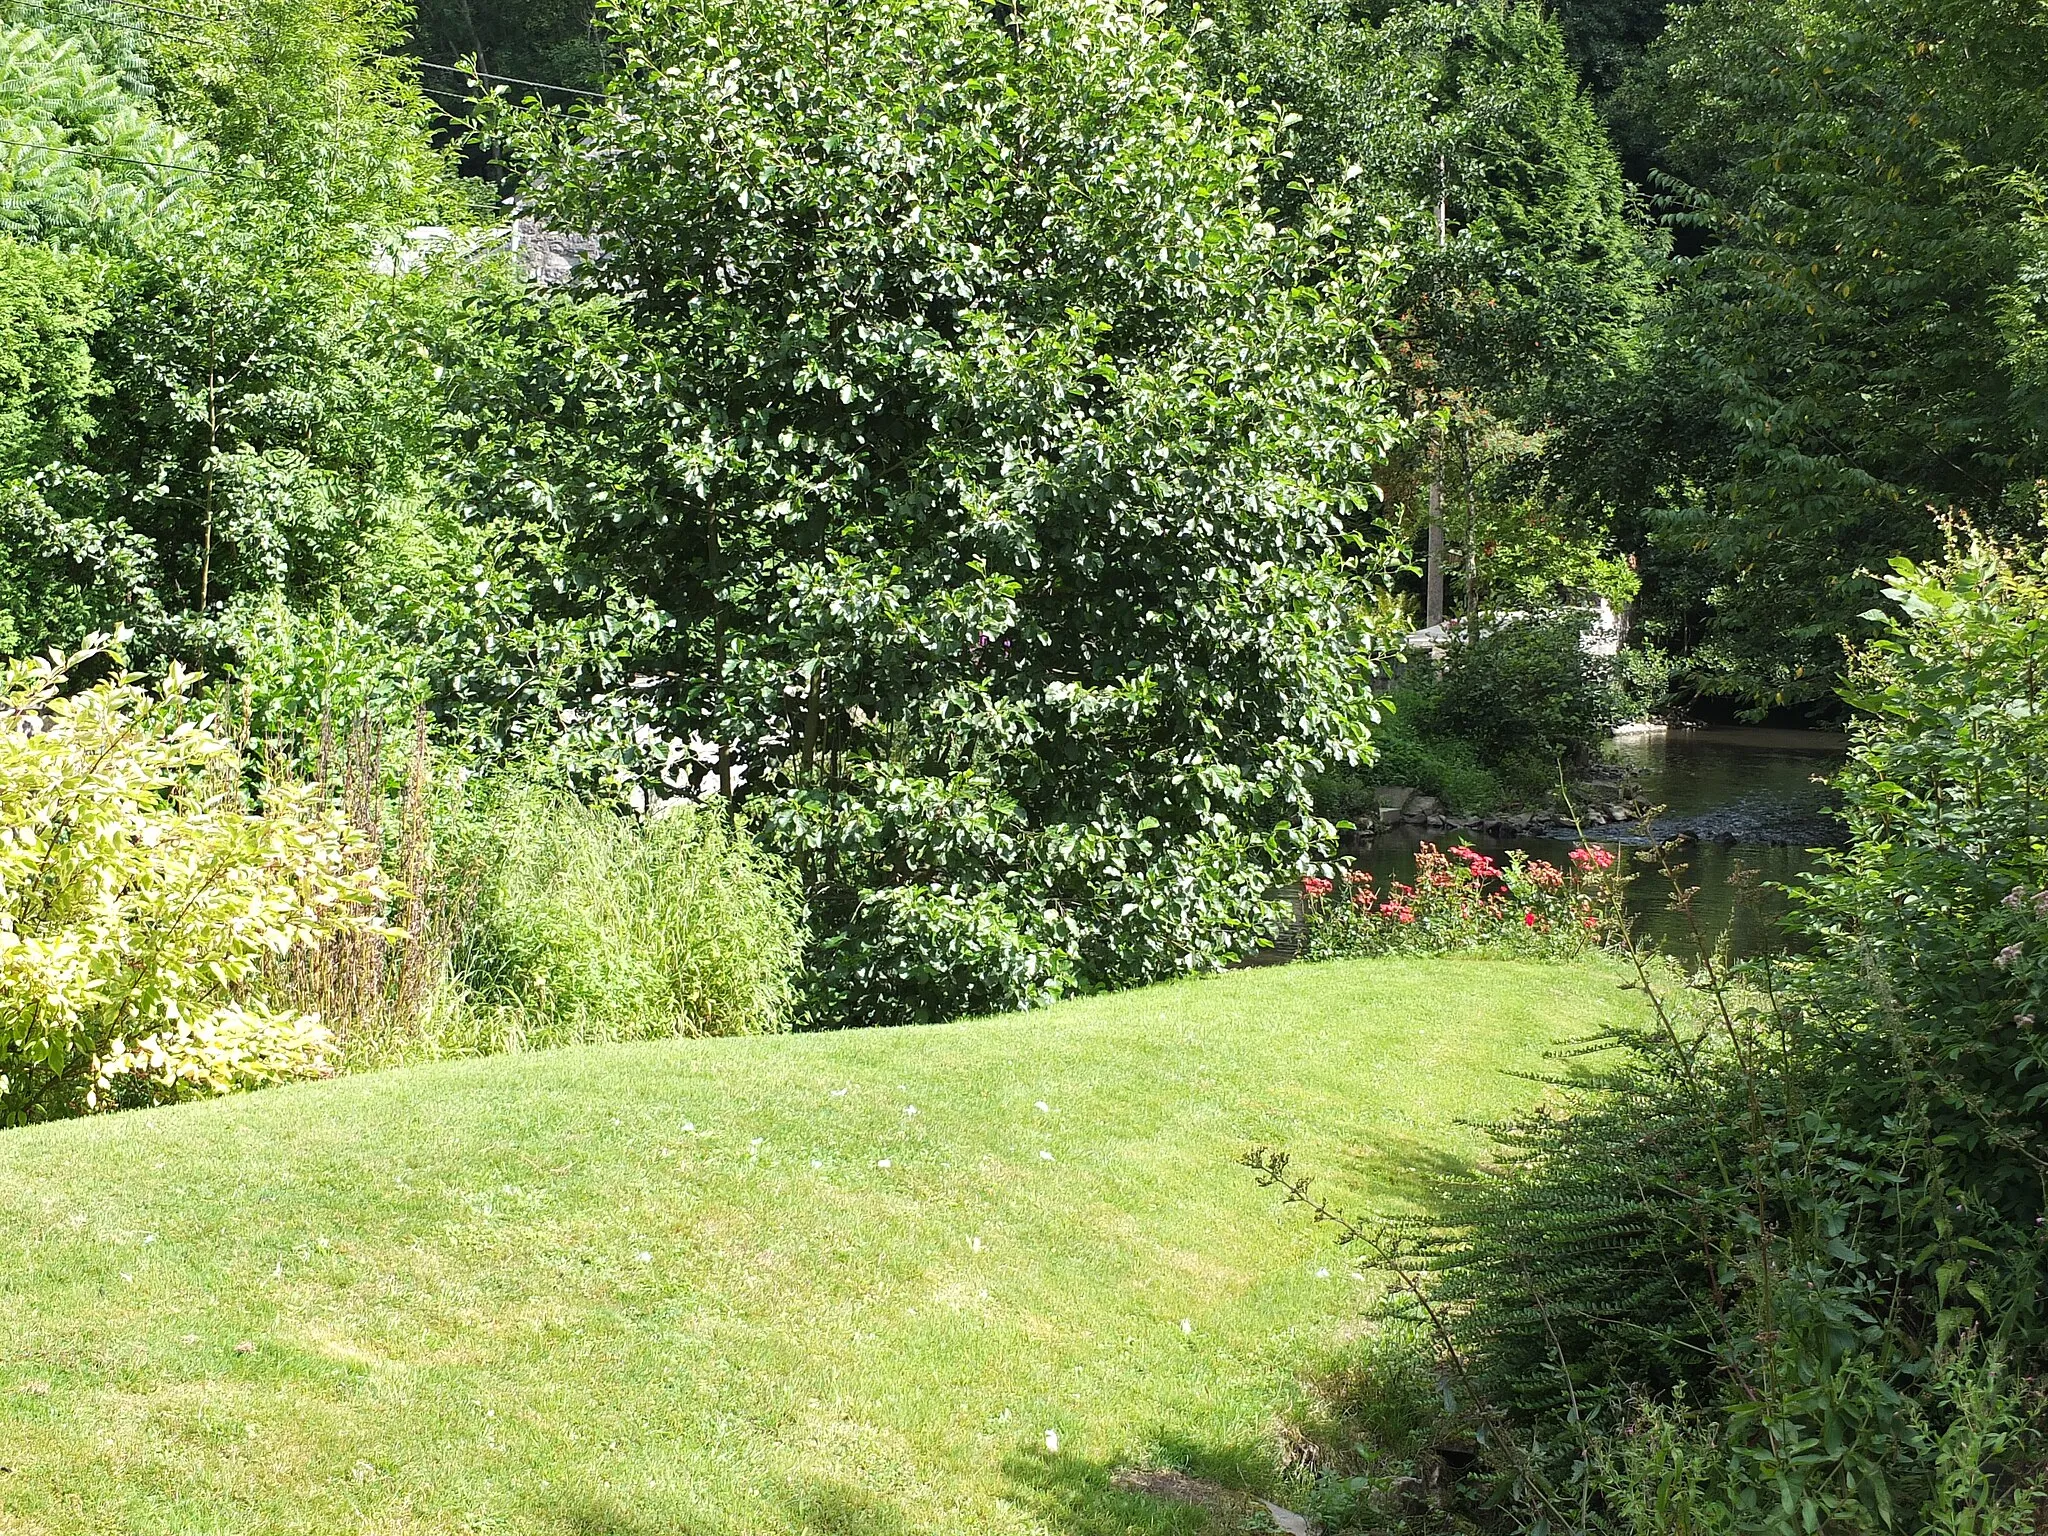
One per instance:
(141, 897)
(1462, 899)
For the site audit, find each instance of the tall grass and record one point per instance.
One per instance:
(588, 925)
(522, 918)
(377, 991)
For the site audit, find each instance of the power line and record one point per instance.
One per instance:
(481, 74)
(452, 69)
(101, 154)
(141, 5)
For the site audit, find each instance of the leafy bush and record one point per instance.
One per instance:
(1781, 1269)
(1408, 751)
(591, 925)
(1647, 680)
(142, 897)
(1021, 466)
(1527, 697)
(1507, 708)
(1404, 752)
(1461, 900)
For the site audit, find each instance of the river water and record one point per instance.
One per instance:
(1750, 798)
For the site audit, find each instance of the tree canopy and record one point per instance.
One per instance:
(986, 451)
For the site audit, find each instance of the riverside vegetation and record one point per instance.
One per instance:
(1779, 1266)
(786, 518)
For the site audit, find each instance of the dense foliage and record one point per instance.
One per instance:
(591, 926)
(990, 500)
(1857, 352)
(143, 893)
(1781, 1267)
(1525, 269)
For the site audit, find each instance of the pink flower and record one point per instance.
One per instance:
(2006, 956)
(1528, 919)
(1316, 886)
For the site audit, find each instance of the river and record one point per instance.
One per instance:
(1749, 797)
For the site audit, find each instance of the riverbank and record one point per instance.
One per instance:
(1733, 799)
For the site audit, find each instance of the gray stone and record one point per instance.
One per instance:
(1392, 797)
(550, 257)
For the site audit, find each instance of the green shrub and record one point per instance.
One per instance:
(1405, 752)
(1410, 752)
(1527, 697)
(591, 925)
(1780, 1269)
(143, 898)
(1647, 681)
(1778, 1236)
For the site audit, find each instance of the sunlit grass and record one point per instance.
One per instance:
(843, 1283)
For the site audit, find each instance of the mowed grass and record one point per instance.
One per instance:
(843, 1283)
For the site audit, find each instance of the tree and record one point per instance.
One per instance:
(250, 391)
(988, 450)
(1463, 125)
(1869, 325)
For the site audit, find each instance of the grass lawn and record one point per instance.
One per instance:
(845, 1283)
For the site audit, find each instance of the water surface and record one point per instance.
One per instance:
(1751, 799)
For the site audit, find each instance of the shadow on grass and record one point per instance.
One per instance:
(1401, 1169)
(814, 1507)
(1075, 1496)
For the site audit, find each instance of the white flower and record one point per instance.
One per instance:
(1052, 1441)
(881, 1162)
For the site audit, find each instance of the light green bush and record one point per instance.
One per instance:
(590, 925)
(143, 898)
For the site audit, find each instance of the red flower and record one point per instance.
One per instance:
(1528, 919)
(1315, 885)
